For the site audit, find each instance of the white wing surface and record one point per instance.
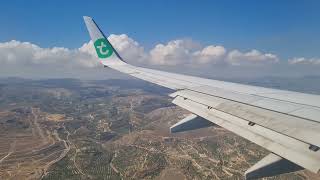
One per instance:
(284, 122)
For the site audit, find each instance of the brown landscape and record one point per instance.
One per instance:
(113, 129)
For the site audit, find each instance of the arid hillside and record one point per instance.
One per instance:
(113, 129)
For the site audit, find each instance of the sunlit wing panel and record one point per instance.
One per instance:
(246, 108)
(285, 146)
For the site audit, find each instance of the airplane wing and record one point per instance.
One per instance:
(284, 122)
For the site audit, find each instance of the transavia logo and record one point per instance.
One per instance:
(103, 48)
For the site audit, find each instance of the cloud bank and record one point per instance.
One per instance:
(25, 56)
(304, 61)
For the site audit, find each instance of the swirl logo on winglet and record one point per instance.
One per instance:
(103, 48)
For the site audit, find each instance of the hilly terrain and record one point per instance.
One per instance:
(114, 129)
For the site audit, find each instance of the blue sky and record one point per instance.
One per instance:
(287, 28)
(249, 38)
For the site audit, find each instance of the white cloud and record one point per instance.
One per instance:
(209, 54)
(184, 52)
(16, 56)
(88, 48)
(305, 61)
(173, 53)
(128, 48)
(236, 57)
(27, 54)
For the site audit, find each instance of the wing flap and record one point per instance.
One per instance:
(271, 165)
(190, 122)
(289, 148)
(293, 126)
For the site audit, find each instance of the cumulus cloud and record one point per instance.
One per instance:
(27, 54)
(210, 54)
(183, 52)
(128, 48)
(19, 55)
(173, 53)
(304, 61)
(236, 57)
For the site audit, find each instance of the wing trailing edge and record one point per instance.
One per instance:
(271, 165)
(190, 122)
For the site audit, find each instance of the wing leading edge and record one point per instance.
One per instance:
(284, 122)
